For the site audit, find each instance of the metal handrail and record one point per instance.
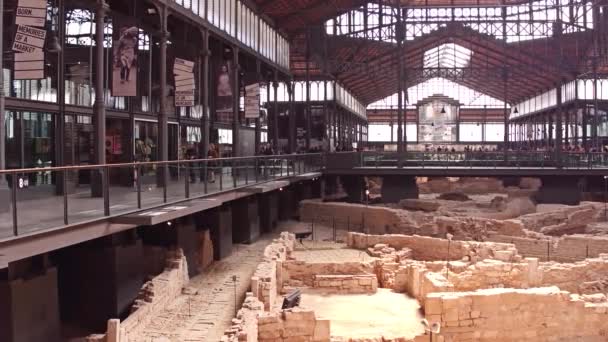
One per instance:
(150, 163)
(168, 189)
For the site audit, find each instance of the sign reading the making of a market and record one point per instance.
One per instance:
(184, 82)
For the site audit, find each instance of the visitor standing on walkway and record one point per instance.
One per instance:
(212, 154)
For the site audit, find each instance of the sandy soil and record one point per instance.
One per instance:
(385, 313)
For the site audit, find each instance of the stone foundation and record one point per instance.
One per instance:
(346, 284)
(295, 324)
(427, 248)
(539, 314)
(153, 297)
(264, 280)
(258, 320)
(383, 220)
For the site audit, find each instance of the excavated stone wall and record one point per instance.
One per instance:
(296, 273)
(487, 292)
(297, 324)
(539, 314)
(264, 281)
(563, 249)
(258, 320)
(428, 248)
(153, 297)
(383, 220)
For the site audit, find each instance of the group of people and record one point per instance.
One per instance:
(212, 153)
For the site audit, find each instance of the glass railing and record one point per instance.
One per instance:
(33, 200)
(511, 159)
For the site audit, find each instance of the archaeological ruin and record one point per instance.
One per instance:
(457, 264)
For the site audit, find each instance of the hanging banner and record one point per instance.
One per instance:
(124, 70)
(224, 101)
(29, 39)
(252, 101)
(29, 66)
(31, 13)
(183, 75)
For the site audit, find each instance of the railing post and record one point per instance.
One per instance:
(64, 187)
(235, 173)
(246, 172)
(221, 174)
(138, 185)
(106, 190)
(165, 182)
(206, 175)
(256, 168)
(14, 199)
(187, 180)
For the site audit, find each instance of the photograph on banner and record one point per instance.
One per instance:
(252, 101)
(224, 88)
(124, 70)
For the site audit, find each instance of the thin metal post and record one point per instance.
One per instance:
(64, 186)
(105, 184)
(221, 175)
(187, 180)
(14, 199)
(247, 172)
(235, 173)
(138, 185)
(206, 170)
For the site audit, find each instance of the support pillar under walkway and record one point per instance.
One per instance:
(396, 188)
(559, 190)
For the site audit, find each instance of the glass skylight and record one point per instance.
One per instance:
(448, 55)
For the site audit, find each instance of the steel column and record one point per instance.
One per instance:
(307, 113)
(205, 95)
(163, 129)
(275, 122)
(399, 36)
(236, 95)
(2, 90)
(258, 132)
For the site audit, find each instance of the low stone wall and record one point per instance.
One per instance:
(153, 297)
(428, 248)
(264, 281)
(564, 249)
(585, 277)
(295, 324)
(296, 273)
(496, 274)
(346, 284)
(539, 314)
(474, 185)
(245, 325)
(383, 220)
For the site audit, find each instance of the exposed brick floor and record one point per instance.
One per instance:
(205, 315)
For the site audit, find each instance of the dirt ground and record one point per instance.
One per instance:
(384, 314)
